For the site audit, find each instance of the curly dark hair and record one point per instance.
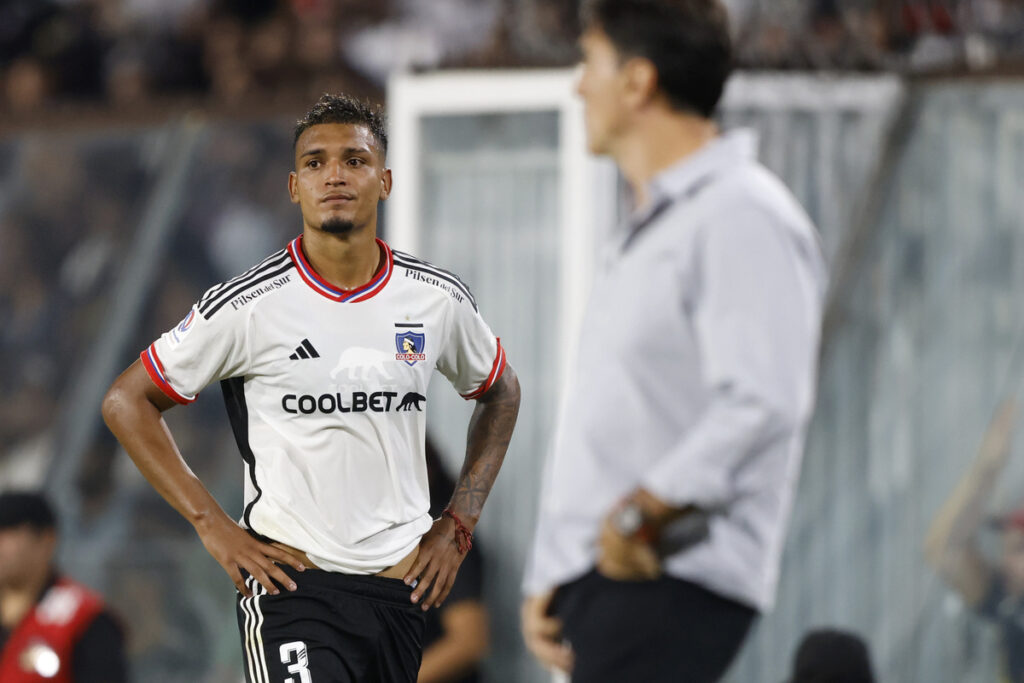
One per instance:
(345, 109)
(688, 42)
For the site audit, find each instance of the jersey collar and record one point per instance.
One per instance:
(324, 288)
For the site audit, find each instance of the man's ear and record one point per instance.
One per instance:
(641, 82)
(293, 187)
(385, 184)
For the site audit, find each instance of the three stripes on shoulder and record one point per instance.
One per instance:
(217, 296)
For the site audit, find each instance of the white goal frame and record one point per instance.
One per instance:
(586, 186)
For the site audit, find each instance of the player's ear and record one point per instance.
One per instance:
(293, 187)
(385, 184)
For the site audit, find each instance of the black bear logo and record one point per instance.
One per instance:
(410, 401)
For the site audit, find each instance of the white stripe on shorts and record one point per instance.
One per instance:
(258, 593)
(255, 658)
(246, 634)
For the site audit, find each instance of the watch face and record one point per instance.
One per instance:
(628, 519)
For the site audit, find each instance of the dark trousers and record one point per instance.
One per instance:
(668, 630)
(335, 628)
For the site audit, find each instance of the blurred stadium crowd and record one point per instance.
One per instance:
(126, 52)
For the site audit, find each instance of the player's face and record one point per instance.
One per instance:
(24, 553)
(602, 86)
(1013, 560)
(339, 177)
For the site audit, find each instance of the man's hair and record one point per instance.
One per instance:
(832, 656)
(345, 109)
(26, 508)
(688, 42)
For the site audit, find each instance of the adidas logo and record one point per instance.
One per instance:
(304, 350)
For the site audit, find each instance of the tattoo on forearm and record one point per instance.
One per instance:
(490, 431)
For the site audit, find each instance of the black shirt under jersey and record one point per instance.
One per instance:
(98, 655)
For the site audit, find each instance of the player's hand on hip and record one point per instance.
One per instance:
(625, 558)
(543, 633)
(436, 565)
(236, 550)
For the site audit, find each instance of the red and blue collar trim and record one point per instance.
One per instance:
(324, 288)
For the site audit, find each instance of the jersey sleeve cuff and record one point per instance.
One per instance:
(496, 369)
(151, 361)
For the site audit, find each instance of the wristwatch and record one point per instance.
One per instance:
(630, 521)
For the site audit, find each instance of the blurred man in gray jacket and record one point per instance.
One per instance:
(666, 499)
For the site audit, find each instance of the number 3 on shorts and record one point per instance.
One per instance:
(294, 655)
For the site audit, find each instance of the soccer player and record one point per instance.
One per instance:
(324, 351)
(665, 506)
(52, 628)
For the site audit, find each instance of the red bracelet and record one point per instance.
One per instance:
(463, 536)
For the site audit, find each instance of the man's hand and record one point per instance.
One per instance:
(635, 558)
(625, 558)
(543, 633)
(235, 550)
(436, 564)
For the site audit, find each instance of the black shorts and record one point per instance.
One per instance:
(662, 631)
(336, 628)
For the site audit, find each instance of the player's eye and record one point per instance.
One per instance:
(355, 161)
(313, 163)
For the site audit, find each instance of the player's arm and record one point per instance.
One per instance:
(950, 546)
(490, 431)
(132, 409)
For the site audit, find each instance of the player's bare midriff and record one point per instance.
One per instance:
(395, 571)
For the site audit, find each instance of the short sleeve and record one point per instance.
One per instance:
(472, 358)
(197, 351)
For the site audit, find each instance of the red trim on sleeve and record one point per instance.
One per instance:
(151, 361)
(496, 370)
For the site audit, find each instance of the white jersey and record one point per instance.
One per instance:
(326, 393)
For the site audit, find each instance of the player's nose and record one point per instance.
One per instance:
(336, 174)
